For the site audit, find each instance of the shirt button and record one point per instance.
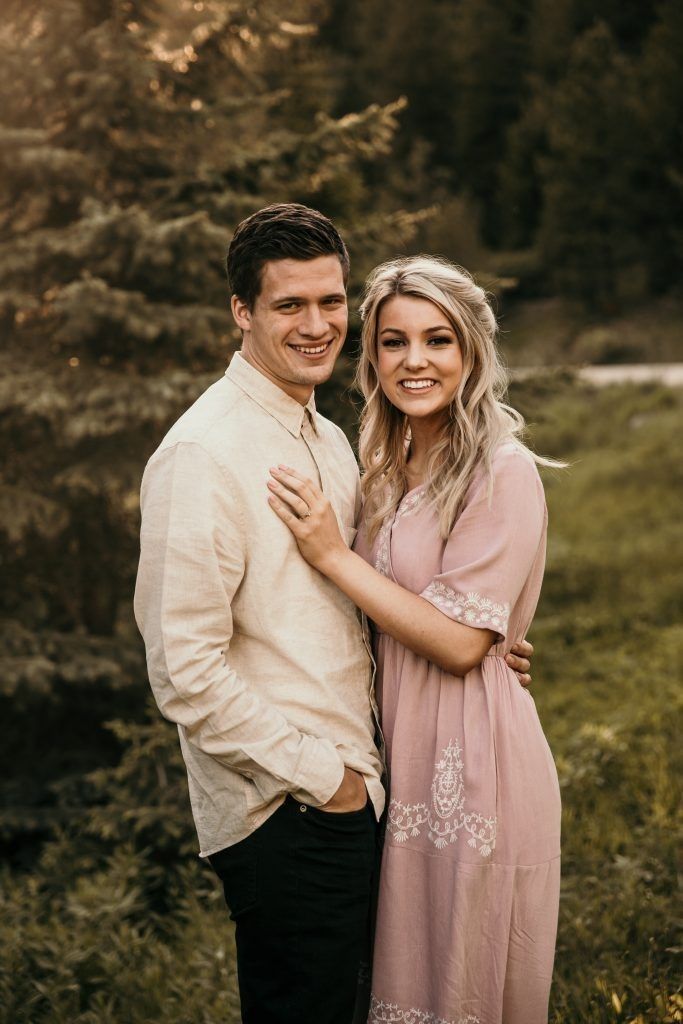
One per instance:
(303, 807)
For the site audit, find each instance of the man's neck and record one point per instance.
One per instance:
(301, 393)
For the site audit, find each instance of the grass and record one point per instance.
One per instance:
(118, 921)
(554, 331)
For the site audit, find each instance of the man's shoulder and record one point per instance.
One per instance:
(211, 422)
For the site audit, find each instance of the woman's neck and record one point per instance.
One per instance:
(424, 435)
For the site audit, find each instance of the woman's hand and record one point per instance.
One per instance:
(519, 660)
(303, 507)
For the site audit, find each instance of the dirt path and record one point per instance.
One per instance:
(670, 374)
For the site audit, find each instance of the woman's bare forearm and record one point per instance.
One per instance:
(406, 617)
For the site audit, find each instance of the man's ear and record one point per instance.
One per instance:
(241, 313)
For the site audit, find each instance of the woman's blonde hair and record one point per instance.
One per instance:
(479, 420)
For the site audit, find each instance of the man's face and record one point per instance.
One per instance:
(297, 326)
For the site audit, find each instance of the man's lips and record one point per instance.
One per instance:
(312, 351)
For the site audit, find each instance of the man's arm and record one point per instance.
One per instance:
(192, 560)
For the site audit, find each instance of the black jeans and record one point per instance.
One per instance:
(299, 890)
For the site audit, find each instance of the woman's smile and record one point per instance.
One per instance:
(419, 385)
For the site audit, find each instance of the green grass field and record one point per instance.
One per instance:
(118, 922)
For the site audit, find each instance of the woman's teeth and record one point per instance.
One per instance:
(418, 385)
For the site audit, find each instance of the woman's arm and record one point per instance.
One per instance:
(405, 616)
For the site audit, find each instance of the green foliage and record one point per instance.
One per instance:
(133, 137)
(117, 920)
(559, 120)
(610, 652)
(591, 173)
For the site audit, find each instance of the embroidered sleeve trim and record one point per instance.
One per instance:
(472, 609)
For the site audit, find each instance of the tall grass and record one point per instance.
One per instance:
(118, 921)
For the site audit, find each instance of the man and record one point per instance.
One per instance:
(260, 661)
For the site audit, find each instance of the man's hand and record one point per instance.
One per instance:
(351, 795)
(519, 660)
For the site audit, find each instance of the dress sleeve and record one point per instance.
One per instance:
(492, 546)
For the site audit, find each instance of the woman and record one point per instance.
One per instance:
(448, 565)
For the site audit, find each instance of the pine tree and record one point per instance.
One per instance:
(661, 115)
(591, 173)
(134, 135)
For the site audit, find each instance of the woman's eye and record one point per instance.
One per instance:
(392, 342)
(440, 341)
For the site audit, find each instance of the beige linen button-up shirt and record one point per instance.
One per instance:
(257, 657)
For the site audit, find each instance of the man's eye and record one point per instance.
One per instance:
(288, 305)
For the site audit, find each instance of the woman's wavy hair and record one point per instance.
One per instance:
(479, 420)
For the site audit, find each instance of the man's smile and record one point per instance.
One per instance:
(313, 351)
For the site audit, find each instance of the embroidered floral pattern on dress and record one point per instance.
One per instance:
(446, 816)
(392, 1013)
(408, 505)
(472, 609)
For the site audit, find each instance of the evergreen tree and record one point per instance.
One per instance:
(590, 177)
(661, 113)
(490, 53)
(134, 135)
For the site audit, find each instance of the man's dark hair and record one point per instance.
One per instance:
(284, 231)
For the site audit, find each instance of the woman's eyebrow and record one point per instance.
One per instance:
(427, 330)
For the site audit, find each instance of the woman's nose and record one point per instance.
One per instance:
(415, 357)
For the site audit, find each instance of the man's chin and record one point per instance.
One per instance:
(314, 375)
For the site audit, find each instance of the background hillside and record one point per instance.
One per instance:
(539, 145)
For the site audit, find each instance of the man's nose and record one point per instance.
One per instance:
(313, 323)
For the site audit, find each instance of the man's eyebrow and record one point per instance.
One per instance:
(300, 298)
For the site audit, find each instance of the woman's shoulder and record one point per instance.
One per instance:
(513, 458)
(512, 468)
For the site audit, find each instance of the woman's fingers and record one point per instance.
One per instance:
(521, 665)
(285, 513)
(296, 504)
(301, 485)
(523, 648)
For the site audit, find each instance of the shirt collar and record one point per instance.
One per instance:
(269, 396)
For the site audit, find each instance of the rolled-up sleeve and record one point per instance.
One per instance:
(192, 561)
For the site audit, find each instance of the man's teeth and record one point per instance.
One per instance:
(418, 385)
(311, 351)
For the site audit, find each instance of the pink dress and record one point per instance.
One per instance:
(469, 886)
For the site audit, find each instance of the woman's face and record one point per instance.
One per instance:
(419, 357)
